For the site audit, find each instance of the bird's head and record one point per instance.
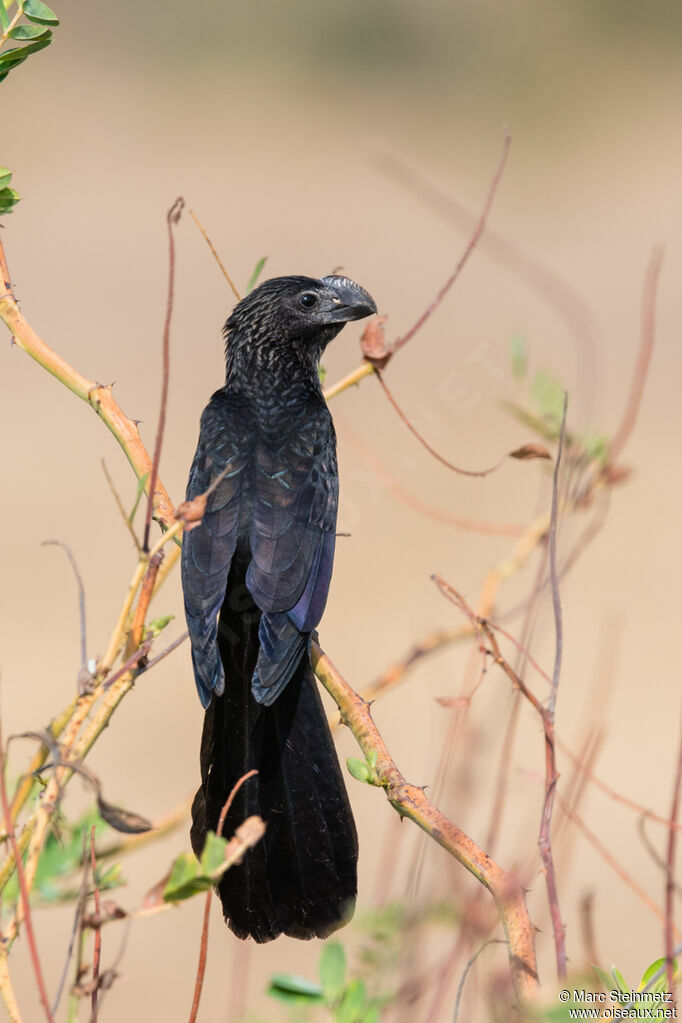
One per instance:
(299, 309)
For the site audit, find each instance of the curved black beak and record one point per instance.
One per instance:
(350, 301)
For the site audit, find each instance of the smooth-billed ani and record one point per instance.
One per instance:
(255, 576)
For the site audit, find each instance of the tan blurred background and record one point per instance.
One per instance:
(276, 122)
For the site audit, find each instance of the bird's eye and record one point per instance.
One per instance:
(308, 299)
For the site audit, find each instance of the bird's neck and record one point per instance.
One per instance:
(281, 371)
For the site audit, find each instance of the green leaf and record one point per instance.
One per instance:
(257, 270)
(353, 1007)
(322, 374)
(605, 979)
(332, 970)
(25, 32)
(288, 987)
(371, 1015)
(213, 853)
(190, 876)
(4, 20)
(11, 58)
(61, 857)
(519, 357)
(159, 624)
(662, 983)
(8, 199)
(548, 394)
(620, 980)
(363, 770)
(185, 879)
(360, 770)
(372, 758)
(37, 11)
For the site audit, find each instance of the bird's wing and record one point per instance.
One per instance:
(225, 448)
(294, 506)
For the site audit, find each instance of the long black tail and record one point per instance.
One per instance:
(301, 878)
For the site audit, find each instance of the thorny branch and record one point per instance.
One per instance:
(411, 801)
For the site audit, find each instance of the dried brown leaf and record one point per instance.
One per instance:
(192, 512)
(528, 451)
(123, 820)
(614, 474)
(373, 341)
(110, 910)
(246, 835)
(454, 701)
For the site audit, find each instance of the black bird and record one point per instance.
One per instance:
(255, 576)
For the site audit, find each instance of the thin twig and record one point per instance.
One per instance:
(653, 852)
(465, 974)
(164, 653)
(648, 334)
(78, 916)
(97, 955)
(670, 871)
(611, 860)
(230, 799)
(110, 975)
(618, 797)
(503, 770)
(473, 241)
(23, 887)
(587, 927)
(81, 598)
(422, 440)
(551, 776)
(26, 783)
(538, 274)
(419, 505)
(578, 783)
(172, 217)
(556, 599)
(132, 663)
(215, 255)
(119, 504)
(203, 948)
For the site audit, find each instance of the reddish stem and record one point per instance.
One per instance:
(172, 218)
(203, 948)
(98, 930)
(473, 241)
(23, 888)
